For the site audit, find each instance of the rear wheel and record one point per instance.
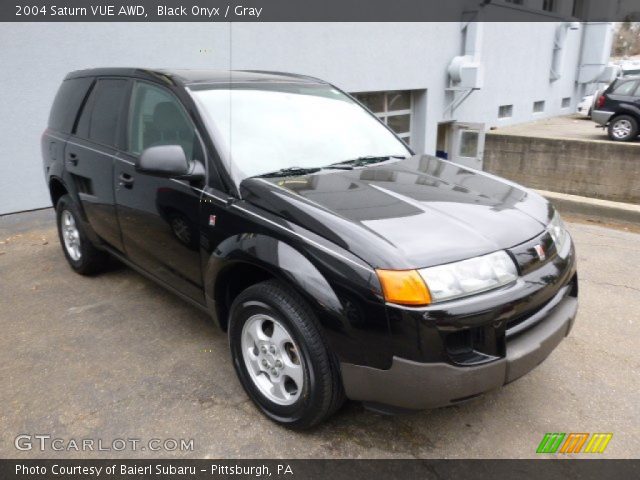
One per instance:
(280, 357)
(623, 128)
(81, 254)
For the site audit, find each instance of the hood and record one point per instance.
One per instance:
(404, 214)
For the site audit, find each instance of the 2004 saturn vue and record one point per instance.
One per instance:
(340, 264)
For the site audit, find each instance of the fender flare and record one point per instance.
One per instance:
(627, 109)
(276, 257)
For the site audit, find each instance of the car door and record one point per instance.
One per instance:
(90, 152)
(159, 217)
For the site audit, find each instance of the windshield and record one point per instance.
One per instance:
(267, 128)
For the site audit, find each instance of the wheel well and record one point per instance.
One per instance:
(57, 190)
(625, 113)
(231, 282)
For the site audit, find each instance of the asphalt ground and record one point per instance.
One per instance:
(117, 357)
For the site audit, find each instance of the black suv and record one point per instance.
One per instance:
(340, 263)
(618, 109)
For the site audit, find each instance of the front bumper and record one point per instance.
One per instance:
(445, 353)
(414, 385)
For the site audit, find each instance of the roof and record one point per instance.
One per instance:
(197, 77)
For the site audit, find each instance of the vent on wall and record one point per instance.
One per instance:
(566, 102)
(505, 111)
(538, 107)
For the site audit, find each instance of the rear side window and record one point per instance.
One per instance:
(67, 103)
(100, 118)
(624, 88)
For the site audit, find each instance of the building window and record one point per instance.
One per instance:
(515, 2)
(393, 108)
(505, 111)
(538, 107)
(549, 5)
(566, 102)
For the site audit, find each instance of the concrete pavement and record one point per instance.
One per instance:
(115, 356)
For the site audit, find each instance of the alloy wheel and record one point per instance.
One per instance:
(621, 128)
(70, 235)
(272, 359)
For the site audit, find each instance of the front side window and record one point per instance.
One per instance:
(265, 128)
(158, 118)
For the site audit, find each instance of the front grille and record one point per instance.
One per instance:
(527, 257)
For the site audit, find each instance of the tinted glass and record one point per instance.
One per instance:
(373, 101)
(469, 143)
(67, 102)
(100, 117)
(399, 123)
(158, 118)
(399, 100)
(624, 88)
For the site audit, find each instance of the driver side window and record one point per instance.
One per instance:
(158, 118)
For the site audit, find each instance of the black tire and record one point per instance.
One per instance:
(91, 260)
(630, 123)
(322, 393)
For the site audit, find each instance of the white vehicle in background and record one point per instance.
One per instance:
(586, 105)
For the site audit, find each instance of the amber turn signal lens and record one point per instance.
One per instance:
(404, 287)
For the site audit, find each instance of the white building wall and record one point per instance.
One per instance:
(355, 56)
(35, 57)
(517, 63)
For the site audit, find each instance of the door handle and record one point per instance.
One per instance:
(73, 159)
(125, 180)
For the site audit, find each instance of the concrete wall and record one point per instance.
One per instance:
(355, 56)
(605, 170)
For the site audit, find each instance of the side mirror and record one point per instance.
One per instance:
(169, 161)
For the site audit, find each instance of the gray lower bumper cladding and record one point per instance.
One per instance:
(415, 386)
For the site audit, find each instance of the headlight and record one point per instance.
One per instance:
(444, 282)
(559, 235)
(467, 277)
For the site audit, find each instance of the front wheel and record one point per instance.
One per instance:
(281, 358)
(623, 128)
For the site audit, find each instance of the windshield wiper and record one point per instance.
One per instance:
(361, 161)
(289, 172)
(344, 165)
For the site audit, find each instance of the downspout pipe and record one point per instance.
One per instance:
(558, 48)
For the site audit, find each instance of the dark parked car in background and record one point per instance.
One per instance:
(618, 109)
(339, 263)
